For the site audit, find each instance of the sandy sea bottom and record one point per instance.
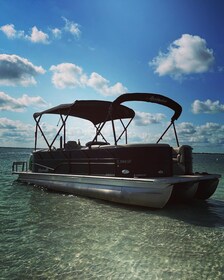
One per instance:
(47, 235)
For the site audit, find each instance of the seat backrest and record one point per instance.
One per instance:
(72, 145)
(182, 160)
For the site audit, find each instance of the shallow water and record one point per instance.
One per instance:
(47, 235)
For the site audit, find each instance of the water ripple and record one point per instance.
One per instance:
(46, 235)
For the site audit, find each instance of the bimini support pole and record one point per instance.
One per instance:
(161, 137)
(62, 126)
(42, 133)
(114, 132)
(175, 132)
(98, 132)
(124, 131)
(35, 145)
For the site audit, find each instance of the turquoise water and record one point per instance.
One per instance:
(47, 235)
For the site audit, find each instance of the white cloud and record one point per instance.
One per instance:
(71, 75)
(186, 55)
(207, 107)
(72, 27)
(14, 133)
(6, 123)
(212, 133)
(209, 133)
(56, 33)
(16, 70)
(101, 85)
(185, 128)
(38, 36)
(8, 103)
(9, 30)
(66, 75)
(143, 118)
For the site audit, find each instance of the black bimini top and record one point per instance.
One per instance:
(96, 111)
(154, 98)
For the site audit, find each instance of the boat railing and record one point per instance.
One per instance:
(19, 166)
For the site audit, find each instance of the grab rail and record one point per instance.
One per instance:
(44, 166)
(19, 166)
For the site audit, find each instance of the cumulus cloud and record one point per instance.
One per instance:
(207, 107)
(9, 30)
(71, 75)
(8, 103)
(15, 70)
(185, 128)
(71, 27)
(186, 55)
(66, 75)
(143, 118)
(101, 85)
(209, 133)
(14, 133)
(6, 123)
(38, 36)
(56, 33)
(213, 132)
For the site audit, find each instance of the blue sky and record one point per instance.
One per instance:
(54, 52)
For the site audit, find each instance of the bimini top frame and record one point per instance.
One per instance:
(154, 98)
(99, 112)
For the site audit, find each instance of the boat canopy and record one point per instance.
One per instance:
(96, 111)
(99, 112)
(154, 98)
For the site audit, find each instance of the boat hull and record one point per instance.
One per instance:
(150, 192)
